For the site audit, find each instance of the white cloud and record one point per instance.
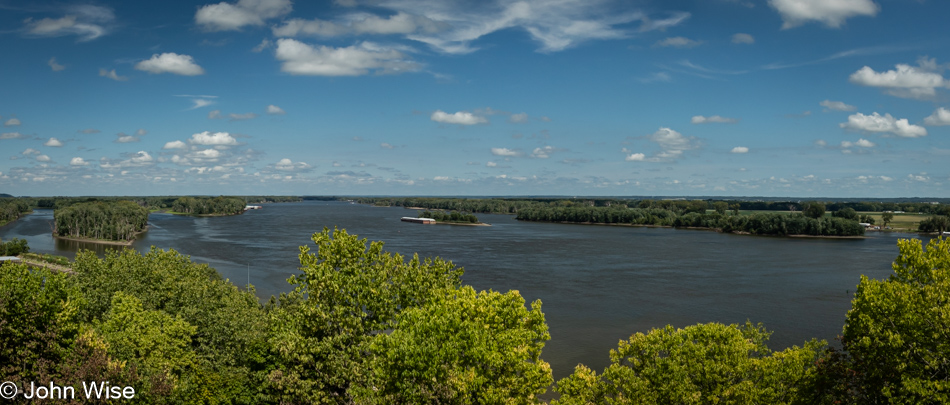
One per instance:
(43, 158)
(139, 159)
(830, 12)
(884, 124)
(360, 23)
(740, 149)
(543, 152)
(11, 135)
(288, 165)
(699, 119)
(504, 152)
(555, 25)
(214, 114)
(175, 145)
(518, 118)
(78, 161)
(228, 17)
(124, 138)
(904, 81)
(85, 21)
(862, 143)
(460, 117)
(299, 58)
(741, 38)
(112, 75)
(672, 145)
(885, 178)
(385, 145)
(635, 157)
(275, 110)
(12, 122)
(206, 154)
(677, 42)
(55, 66)
(140, 132)
(240, 117)
(53, 142)
(837, 106)
(170, 62)
(491, 164)
(30, 151)
(940, 117)
(265, 43)
(217, 138)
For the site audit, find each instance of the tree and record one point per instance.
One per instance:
(846, 213)
(701, 364)
(937, 224)
(721, 207)
(735, 209)
(463, 347)
(898, 330)
(814, 209)
(887, 217)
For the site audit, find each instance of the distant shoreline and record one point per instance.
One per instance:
(693, 228)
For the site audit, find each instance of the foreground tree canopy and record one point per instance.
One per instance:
(363, 326)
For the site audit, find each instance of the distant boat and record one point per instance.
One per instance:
(252, 207)
(426, 221)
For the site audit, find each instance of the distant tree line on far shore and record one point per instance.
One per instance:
(453, 216)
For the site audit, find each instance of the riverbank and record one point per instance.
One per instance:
(103, 241)
(462, 223)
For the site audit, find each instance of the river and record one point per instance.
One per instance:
(598, 284)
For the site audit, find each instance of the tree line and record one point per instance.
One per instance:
(766, 223)
(12, 208)
(365, 326)
(454, 216)
(102, 220)
(209, 205)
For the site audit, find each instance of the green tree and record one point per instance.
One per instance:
(814, 209)
(463, 347)
(701, 364)
(721, 207)
(898, 330)
(847, 213)
(347, 293)
(887, 217)
(154, 340)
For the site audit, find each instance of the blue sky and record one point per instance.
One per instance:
(838, 98)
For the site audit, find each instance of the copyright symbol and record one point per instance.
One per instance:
(8, 390)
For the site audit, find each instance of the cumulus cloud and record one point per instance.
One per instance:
(30, 151)
(216, 139)
(385, 145)
(229, 17)
(53, 142)
(78, 161)
(84, 21)
(275, 110)
(940, 117)
(740, 149)
(55, 66)
(125, 138)
(460, 117)
(138, 159)
(170, 62)
(741, 38)
(883, 124)
(862, 143)
(677, 42)
(543, 152)
(12, 122)
(904, 81)
(175, 145)
(11, 135)
(112, 75)
(672, 145)
(43, 158)
(699, 119)
(832, 13)
(299, 58)
(360, 23)
(504, 152)
(289, 165)
(837, 106)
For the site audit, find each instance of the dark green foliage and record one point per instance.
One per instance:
(48, 258)
(112, 220)
(454, 216)
(209, 206)
(12, 208)
(937, 224)
(814, 209)
(846, 213)
(14, 247)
